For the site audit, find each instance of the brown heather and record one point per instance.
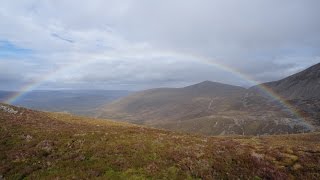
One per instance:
(41, 145)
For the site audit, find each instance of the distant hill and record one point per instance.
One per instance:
(43, 145)
(4, 95)
(172, 104)
(216, 109)
(209, 108)
(81, 102)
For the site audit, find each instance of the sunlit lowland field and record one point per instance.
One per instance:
(42, 145)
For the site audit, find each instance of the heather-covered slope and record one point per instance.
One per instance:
(38, 145)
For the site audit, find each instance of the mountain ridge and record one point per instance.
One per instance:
(225, 108)
(302, 85)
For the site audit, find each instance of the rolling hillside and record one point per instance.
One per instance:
(172, 104)
(42, 145)
(217, 109)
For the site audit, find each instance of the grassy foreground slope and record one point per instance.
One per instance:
(37, 145)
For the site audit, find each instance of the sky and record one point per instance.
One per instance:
(141, 44)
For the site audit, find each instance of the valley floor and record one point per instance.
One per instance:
(36, 145)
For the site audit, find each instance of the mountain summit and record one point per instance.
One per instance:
(210, 88)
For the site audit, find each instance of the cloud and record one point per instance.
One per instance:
(62, 38)
(143, 44)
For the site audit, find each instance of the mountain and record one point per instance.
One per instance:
(172, 104)
(81, 102)
(301, 90)
(216, 109)
(43, 145)
(303, 85)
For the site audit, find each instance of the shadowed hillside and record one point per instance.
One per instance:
(301, 90)
(172, 104)
(216, 112)
(303, 85)
(38, 145)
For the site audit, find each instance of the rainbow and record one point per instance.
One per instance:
(36, 82)
(28, 87)
(196, 58)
